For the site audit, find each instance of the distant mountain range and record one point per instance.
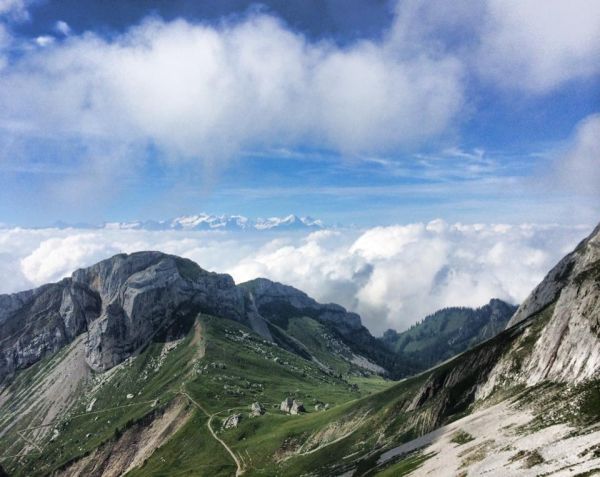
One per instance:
(205, 221)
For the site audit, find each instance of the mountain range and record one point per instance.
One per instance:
(207, 222)
(148, 365)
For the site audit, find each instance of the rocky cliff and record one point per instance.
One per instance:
(280, 303)
(121, 303)
(562, 340)
(554, 337)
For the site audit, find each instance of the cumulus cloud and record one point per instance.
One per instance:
(578, 169)
(196, 90)
(531, 45)
(393, 276)
(62, 27)
(14, 10)
(538, 45)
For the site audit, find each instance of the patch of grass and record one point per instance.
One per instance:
(461, 437)
(530, 458)
(534, 458)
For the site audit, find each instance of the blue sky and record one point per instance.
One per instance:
(359, 112)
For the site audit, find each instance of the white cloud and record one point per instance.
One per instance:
(538, 45)
(578, 169)
(44, 40)
(62, 27)
(393, 276)
(15, 10)
(210, 91)
(534, 46)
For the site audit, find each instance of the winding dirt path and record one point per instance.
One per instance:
(240, 468)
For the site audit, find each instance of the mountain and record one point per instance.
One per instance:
(448, 332)
(208, 222)
(147, 365)
(121, 303)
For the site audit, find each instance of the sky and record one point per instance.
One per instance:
(375, 116)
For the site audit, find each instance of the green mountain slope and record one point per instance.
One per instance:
(448, 332)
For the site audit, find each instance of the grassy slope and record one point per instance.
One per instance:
(238, 368)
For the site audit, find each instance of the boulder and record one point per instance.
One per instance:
(256, 409)
(291, 406)
(286, 405)
(232, 421)
(297, 407)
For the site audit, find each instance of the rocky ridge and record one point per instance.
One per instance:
(121, 303)
(448, 332)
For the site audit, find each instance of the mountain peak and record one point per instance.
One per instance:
(585, 257)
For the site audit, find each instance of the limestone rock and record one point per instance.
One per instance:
(563, 344)
(257, 409)
(297, 407)
(232, 421)
(292, 406)
(120, 304)
(585, 255)
(286, 405)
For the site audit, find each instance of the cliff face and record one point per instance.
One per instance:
(120, 303)
(586, 256)
(553, 337)
(562, 341)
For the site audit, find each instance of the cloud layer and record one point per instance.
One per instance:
(393, 276)
(211, 91)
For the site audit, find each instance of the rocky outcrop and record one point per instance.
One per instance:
(280, 303)
(124, 302)
(257, 409)
(39, 322)
(119, 303)
(562, 315)
(292, 406)
(232, 421)
(585, 256)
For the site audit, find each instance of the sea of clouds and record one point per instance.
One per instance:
(393, 276)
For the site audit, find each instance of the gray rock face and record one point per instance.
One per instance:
(141, 293)
(40, 322)
(232, 421)
(286, 405)
(297, 407)
(267, 293)
(257, 409)
(585, 255)
(120, 303)
(123, 302)
(292, 406)
(566, 310)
